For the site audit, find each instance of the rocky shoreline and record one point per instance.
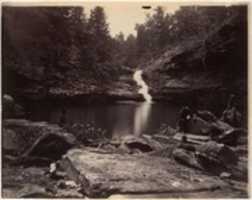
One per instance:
(56, 163)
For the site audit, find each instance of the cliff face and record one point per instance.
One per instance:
(206, 71)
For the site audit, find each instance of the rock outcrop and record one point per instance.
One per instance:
(128, 166)
(10, 108)
(101, 174)
(32, 142)
(203, 72)
(34, 182)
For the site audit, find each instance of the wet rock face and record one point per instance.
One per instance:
(203, 72)
(24, 139)
(101, 174)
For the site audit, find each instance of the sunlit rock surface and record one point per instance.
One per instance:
(102, 174)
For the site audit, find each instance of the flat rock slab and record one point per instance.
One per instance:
(102, 174)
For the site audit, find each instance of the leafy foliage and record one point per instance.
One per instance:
(55, 45)
(162, 31)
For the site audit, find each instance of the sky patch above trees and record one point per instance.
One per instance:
(123, 16)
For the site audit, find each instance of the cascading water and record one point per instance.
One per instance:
(142, 112)
(144, 90)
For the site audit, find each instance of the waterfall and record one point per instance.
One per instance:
(144, 90)
(143, 110)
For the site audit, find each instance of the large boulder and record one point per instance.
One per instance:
(198, 125)
(232, 137)
(212, 157)
(202, 122)
(142, 144)
(11, 108)
(31, 182)
(26, 139)
(219, 158)
(220, 153)
(35, 182)
(185, 158)
(101, 174)
(232, 116)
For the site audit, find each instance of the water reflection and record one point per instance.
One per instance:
(121, 118)
(142, 113)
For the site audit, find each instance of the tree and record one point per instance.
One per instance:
(77, 28)
(163, 30)
(158, 28)
(99, 31)
(142, 39)
(120, 38)
(131, 57)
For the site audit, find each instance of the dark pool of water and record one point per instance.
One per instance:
(117, 119)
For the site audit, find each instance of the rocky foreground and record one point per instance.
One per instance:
(45, 161)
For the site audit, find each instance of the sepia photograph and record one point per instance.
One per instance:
(127, 99)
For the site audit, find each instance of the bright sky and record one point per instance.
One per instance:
(123, 16)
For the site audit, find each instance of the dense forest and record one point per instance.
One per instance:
(51, 50)
(52, 45)
(163, 31)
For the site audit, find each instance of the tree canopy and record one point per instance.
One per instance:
(57, 43)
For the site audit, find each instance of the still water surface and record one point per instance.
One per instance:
(118, 119)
